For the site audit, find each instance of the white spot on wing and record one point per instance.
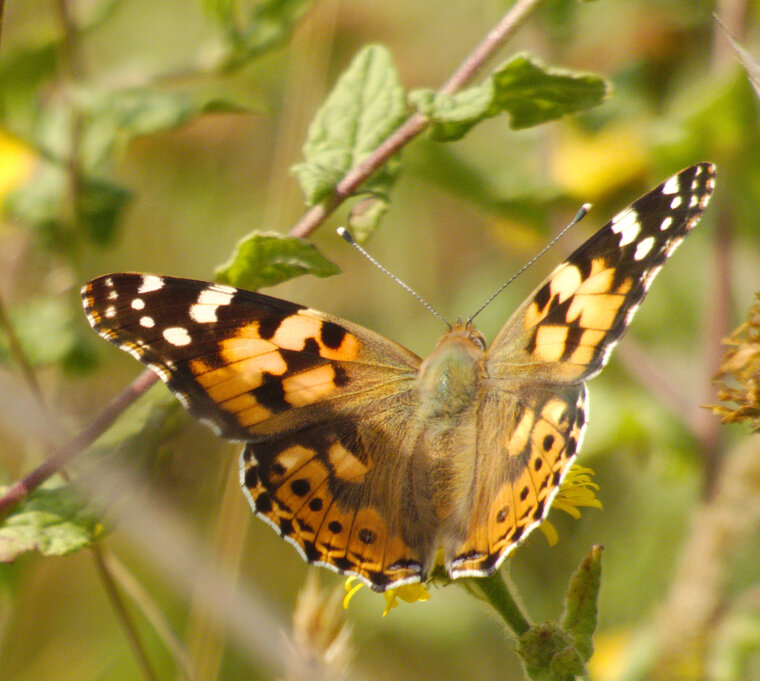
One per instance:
(147, 322)
(204, 311)
(626, 224)
(671, 186)
(176, 335)
(675, 202)
(150, 282)
(138, 304)
(665, 224)
(643, 247)
(110, 312)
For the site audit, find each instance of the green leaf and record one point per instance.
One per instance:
(142, 428)
(533, 93)
(100, 206)
(364, 107)
(270, 24)
(579, 617)
(110, 120)
(529, 91)
(267, 258)
(53, 520)
(223, 11)
(23, 72)
(454, 115)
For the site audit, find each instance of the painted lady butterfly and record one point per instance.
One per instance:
(369, 459)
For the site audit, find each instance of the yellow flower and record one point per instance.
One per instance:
(16, 163)
(409, 593)
(577, 490)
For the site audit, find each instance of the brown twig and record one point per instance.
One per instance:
(311, 219)
(19, 490)
(417, 122)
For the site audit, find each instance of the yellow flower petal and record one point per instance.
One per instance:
(577, 490)
(549, 532)
(351, 588)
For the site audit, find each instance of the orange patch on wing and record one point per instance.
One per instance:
(554, 410)
(597, 282)
(345, 463)
(330, 543)
(564, 281)
(518, 438)
(244, 345)
(298, 328)
(550, 342)
(309, 386)
(367, 542)
(292, 458)
(596, 311)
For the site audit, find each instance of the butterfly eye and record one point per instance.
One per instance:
(478, 339)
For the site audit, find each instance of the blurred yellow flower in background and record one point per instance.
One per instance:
(17, 162)
(590, 167)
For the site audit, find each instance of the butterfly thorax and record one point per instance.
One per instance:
(447, 381)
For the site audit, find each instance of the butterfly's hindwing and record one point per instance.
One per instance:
(527, 440)
(342, 493)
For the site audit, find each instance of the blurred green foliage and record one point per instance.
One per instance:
(156, 136)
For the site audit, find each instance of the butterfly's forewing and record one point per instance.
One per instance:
(559, 337)
(247, 364)
(325, 405)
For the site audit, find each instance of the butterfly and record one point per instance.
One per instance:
(371, 460)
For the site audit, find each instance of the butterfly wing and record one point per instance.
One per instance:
(561, 336)
(325, 406)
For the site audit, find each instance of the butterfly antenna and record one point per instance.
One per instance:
(585, 208)
(343, 232)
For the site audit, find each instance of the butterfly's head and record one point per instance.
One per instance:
(464, 332)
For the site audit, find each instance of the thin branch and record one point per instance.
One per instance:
(417, 122)
(143, 662)
(77, 444)
(311, 219)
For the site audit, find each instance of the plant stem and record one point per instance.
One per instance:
(417, 122)
(495, 591)
(143, 662)
(19, 490)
